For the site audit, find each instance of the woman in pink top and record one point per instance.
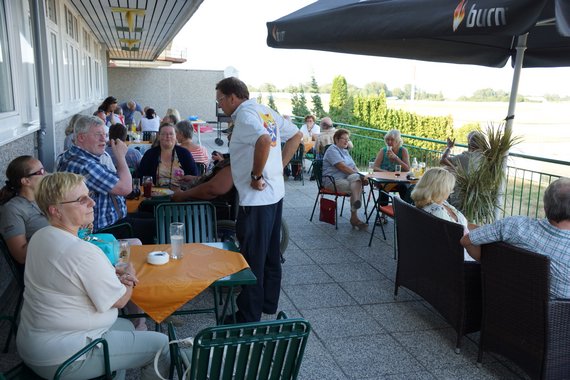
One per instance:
(184, 132)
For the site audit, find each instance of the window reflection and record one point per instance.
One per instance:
(6, 94)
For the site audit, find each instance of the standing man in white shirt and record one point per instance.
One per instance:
(257, 172)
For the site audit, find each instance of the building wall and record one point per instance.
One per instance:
(191, 92)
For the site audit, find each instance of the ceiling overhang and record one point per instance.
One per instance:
(136, 30)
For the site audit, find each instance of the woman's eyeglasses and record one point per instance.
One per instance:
(82, 200)
(42, 171)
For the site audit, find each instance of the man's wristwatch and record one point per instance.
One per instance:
(256, 177)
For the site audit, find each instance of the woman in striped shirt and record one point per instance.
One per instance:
(184, 132)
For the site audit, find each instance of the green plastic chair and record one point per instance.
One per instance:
(199, 220)
(23, 372)
(119, 231)
(298, 160)
(18, 274)
(259, 350)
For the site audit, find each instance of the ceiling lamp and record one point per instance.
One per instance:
(130, 16)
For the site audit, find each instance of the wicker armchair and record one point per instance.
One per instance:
(431, 264)
(520, 321)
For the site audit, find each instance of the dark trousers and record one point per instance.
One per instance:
(402, 188)
(258, 231)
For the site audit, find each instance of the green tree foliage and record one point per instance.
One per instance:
(271, 103)
(376, 88)
(268, 87)
(490, 95)
(372, 112)
(318, 109)
(260, 98)
(299, 102)
(462, 132)
(340, 106)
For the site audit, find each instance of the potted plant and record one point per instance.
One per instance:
(480, 187)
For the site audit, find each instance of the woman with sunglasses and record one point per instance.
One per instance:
(72, 294)
(20, 216)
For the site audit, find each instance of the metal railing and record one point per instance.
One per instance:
(527, 176)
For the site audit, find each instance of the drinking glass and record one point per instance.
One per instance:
(147, 186)
(176, 239)
(124, 254)
(371, 167)
(397, 170)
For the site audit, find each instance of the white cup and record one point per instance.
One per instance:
(176, 240)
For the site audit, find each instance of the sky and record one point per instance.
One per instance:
(231, 33)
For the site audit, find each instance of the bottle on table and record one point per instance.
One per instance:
(415, 167)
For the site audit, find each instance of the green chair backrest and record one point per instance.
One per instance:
(258, 350)
(119, 231)
(21, 371)
(199, 220)
(318, 171)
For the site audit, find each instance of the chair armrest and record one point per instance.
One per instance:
(282, 315)
(83, 351)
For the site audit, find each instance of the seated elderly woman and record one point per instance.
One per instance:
(72, 293)
(184, 134)
(431, 194)
(167, 162)
(20, 216)
(338, 164)
(388, 157)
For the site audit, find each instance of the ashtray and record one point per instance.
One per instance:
(157, 258)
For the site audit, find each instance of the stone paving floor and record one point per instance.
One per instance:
(345, 290)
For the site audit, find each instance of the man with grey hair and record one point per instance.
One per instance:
(107, 188)
(467, 160)
(549, 236)
(326, 136)
(129, 108)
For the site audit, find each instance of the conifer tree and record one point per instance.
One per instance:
(318, 110)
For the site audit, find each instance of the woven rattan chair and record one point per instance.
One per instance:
(520, 320)
(431, 264)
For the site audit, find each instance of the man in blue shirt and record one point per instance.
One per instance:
(549, 236)
(107, 188)
(129, 109)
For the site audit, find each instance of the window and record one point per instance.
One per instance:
(6, 90)
(54, 69)
(51, 11)
(71, 25)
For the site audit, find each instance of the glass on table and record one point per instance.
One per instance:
(397, 170)
(147, 186)
(371, 167)
(176, 240)
(124, 254)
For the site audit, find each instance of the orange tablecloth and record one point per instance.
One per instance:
(163, 289)
(309, 145)
(133, 204)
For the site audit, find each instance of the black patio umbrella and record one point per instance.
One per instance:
(534, 33)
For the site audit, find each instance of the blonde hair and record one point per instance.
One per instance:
(434, 187)
(54, 187)
(395, 134)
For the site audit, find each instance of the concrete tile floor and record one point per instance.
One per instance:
(346, 290)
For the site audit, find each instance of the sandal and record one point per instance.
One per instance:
(359, 225)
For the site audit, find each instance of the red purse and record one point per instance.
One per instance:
(328, 211)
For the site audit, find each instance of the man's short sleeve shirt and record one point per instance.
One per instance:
(100, 180)
(534, 235)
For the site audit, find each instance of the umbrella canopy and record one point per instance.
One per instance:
(534, 33)
(482, 32)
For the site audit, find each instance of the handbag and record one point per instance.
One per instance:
(328, 211)
(106, 242)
